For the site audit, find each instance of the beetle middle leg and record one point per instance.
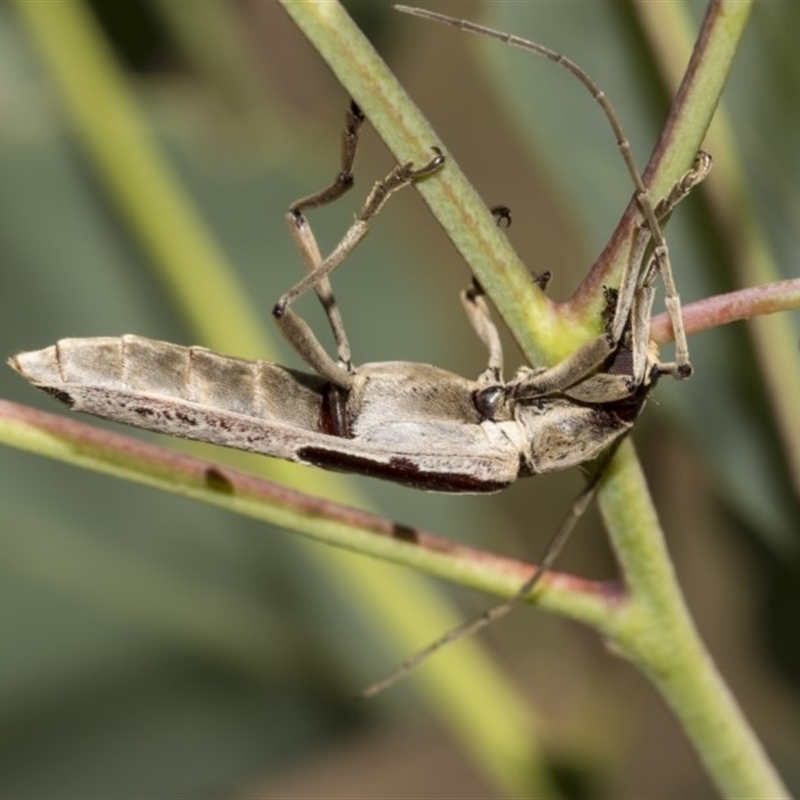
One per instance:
(476, 307)
(298, 333)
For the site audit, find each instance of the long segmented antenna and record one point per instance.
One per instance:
(495, 612)
(682, 367)
(517, 41)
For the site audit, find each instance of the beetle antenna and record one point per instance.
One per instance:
(524, 44)
(493, 613)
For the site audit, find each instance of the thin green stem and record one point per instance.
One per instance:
(655, 631)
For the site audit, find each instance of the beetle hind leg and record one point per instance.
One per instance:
(401, 175)
(300, 336)
(296, 331)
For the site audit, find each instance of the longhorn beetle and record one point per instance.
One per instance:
(411, 423)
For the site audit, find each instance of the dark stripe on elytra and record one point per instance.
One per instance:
(397, 469)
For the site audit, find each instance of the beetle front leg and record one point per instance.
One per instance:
(639, 274)
(700, 169)
(573, 376)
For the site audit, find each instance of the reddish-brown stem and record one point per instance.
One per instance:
(151, 461)
(731, 307)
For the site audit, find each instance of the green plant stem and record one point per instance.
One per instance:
(655, 631)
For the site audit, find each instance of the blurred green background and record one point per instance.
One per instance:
(154, 647)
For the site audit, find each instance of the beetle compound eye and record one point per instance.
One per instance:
(491, 403)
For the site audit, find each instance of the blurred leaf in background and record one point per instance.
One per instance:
(154, 647)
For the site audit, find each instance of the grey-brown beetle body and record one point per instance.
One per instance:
(411, 423)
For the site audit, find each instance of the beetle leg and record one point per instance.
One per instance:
(477, 310)
(300, 336)
(306, 243)
(401, 175)
(297, 333)
(637, 277)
